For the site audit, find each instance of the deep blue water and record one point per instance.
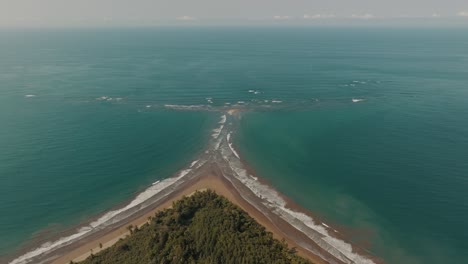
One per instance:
(391, 169)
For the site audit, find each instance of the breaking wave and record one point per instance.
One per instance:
(222, 147)
(105, 220)
(187, 107)
(318, 232)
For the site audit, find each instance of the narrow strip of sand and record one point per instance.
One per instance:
(204, 182)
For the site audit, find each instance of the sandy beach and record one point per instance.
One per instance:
(218, 168)
(208, 181)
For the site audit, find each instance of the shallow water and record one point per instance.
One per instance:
(365, 127)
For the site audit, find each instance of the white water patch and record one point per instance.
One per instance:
(338, 248)
(302, 222)
(217, 131)
(217, 144)
(103, 221)
(186, 107)
(223, 119)
(276, 101)
(360, 82)
(228, 138)
(108, 99)
(30, 95)
(199, 164)
(357, 100)
(193, 163)
(26, 258)
(254, 91)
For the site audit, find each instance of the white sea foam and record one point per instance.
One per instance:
(361, 82)
(228, 137)
(357, 100)
(300, 221)
(270, 198)
(30, 95)
(276, 101)
(217, 131)
(217, 144)
(193, 163)
(186, 107)
(223, 119)
(254, 91)
(108, 218)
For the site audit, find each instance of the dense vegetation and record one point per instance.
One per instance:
(202, 228)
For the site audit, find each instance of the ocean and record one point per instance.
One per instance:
(365, 127)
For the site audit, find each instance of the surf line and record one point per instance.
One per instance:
(220, 158)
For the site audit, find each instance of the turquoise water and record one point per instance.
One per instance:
(390, 170)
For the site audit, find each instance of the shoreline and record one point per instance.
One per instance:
(220, 169)
(204, 182)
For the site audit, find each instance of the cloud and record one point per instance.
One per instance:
(318, 16)
(281, 17)
(463, 14)
(186, 18)
(365, 16)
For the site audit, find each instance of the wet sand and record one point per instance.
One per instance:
(209, 181)
(216, 169)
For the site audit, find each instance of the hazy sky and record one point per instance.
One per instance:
(141, 12)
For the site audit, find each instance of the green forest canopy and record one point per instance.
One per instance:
(201, 228)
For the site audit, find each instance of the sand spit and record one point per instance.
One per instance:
(220, 169)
